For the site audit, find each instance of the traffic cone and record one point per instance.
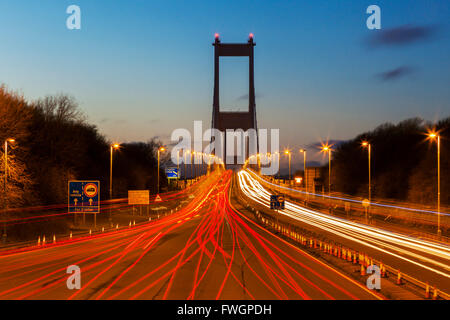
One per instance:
(349, 256)
(427, 291)
(435, 294)
(90, 232)
(117, 226)
(355, 261)
(103, 229)
(129, 225)
(54, 239)
(382, 270)
(399, 278)
(70, 235)
(39, 241)
(43, 241)
(363, 270)
(134, 222)
(339, 252)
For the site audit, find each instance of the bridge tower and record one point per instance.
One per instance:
(244, 120)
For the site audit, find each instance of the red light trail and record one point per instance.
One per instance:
(206, 250)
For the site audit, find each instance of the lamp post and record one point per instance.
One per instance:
(327, 149)
(160, 149)
(178, 162)
(113, 147)
(304, 166)
(288, 153)
(432, 136)
(185, 170)
(278, 163)
(210, 157)
(194, 170)
(367, 145)
(5, 186)
(259, 162)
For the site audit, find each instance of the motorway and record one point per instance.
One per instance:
(206, 250)
(425, 260)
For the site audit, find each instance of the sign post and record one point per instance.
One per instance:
(84, 197)
(277, 202)
(139, 197)
(172, 173)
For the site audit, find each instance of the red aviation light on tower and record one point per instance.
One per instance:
(216, 36)
(250, 38)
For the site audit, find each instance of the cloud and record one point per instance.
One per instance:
(395, 73)
(402, 35)
(112, 121)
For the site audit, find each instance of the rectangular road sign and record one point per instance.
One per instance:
(84, 196)
(277, 201)
(172, 173)
(136, 197)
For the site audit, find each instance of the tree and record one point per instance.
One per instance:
(15, 117)
(403, 163)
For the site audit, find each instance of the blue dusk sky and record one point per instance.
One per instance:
(141, 69)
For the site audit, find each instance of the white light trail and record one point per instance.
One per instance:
(394, 244)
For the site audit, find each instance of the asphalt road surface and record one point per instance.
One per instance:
(207, 250)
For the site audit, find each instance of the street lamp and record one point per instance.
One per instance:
(434, 135)
(185, 170)
(160, 149)
(210, 157)
(5, 192)
(288, 153)
(178, 162)
(367, 145)
(114, 146)
(304, 166)
(195, 167)
(327, 149)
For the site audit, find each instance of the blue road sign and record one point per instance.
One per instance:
(84, 196)
(172, 173)
(277, 201)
